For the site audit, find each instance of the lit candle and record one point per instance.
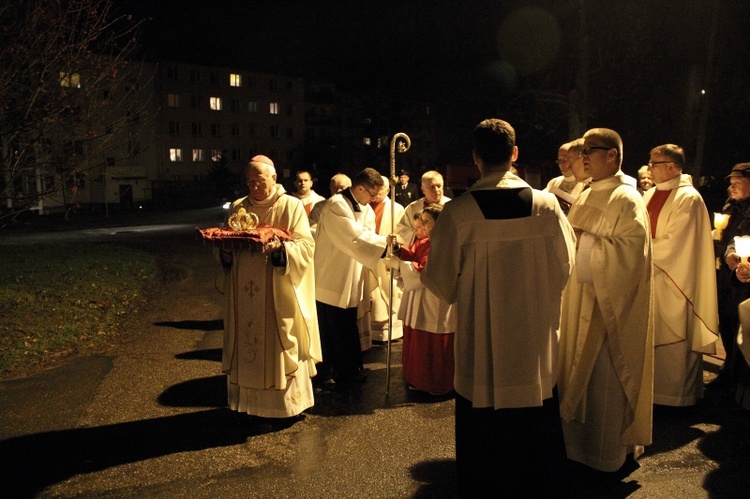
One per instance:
(742, 247)
(720, 223)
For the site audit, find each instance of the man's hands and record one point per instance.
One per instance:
(272, 246)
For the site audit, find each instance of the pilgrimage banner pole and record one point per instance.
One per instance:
(402, 142)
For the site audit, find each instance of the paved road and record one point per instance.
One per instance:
(147, 419)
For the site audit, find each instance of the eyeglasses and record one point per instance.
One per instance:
(562, 161)
(651, 165)
(587, 150)
(370, 192)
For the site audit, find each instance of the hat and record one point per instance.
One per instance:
(740, 170)
(403, 172)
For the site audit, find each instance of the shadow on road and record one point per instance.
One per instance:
(36, 461)
(212, 325)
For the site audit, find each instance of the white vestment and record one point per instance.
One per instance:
(506, 277)
(374, 309)
(346, 246)
(405, 227)
(565, 188)
(606, 331)
(310, 201)
(271, 338)
(686, 317)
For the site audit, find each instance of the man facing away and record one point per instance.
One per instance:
(271, 340)
(686, 317)
(303, 184)
(347, 246)
(432, 188)
(606, 332)
(502, 252)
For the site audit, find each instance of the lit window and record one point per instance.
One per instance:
(235, 80)
(173, 100)
(273, 108)
(175, 155)
(198, 155)
(252, 106)
(366, 141)
(215, 103)
(70, 80)
(216, 154)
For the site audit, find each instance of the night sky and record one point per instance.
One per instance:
(648, 62)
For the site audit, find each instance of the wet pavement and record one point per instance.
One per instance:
(148, 419)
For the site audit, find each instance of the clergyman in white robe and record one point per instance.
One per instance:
(271, 338)
(686, 318)
(606, 330)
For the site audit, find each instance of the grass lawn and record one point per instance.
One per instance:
(60, 300)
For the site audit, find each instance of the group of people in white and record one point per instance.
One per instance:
(559, 317)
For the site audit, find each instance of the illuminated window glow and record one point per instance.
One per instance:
(273, 108)
(175, 155)
(173, 100)
(70, 80)
(235, 80)
(215, 103)
(198, 155)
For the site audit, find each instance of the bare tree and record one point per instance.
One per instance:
(70, 97)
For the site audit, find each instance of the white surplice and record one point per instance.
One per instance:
(506, 277)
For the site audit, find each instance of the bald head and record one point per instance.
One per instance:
(339, 182)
